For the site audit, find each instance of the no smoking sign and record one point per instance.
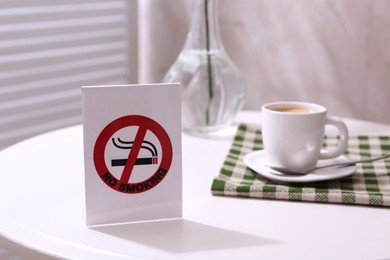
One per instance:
(132, 153)
(133, 142)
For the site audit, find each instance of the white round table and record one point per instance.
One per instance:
(42, 207)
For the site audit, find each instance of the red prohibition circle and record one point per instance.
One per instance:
(123, 185)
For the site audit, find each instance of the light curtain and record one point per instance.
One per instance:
(48, 50)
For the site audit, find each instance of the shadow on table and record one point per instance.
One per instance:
(182, 236)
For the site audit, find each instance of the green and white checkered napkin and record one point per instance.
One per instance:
(369, 185)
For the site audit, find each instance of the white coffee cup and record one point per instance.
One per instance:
(293, 134)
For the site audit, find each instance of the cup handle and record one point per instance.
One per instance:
(343, 142)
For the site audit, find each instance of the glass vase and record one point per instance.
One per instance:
(213, 89)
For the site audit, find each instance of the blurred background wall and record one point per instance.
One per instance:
(333, 52)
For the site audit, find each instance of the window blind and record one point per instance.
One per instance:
(48, 50)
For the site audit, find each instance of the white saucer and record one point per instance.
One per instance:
(257, 161)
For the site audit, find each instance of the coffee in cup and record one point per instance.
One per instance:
(293, 109)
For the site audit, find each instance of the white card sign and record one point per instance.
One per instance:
(132, 153)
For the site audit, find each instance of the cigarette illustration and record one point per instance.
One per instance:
(153, 159)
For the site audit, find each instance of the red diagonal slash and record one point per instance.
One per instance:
(133, 154)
